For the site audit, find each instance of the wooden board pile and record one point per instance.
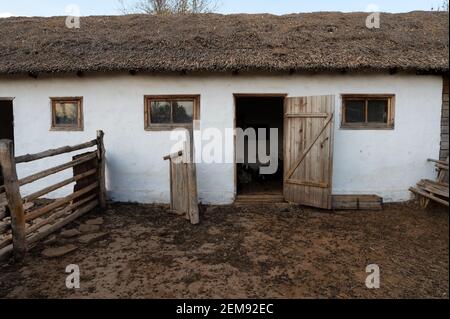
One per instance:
(436, 191)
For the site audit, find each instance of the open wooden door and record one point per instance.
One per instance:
(308, 150)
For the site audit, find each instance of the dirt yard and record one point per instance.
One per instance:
(276, 251)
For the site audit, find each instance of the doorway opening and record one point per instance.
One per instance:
(261, 113)
(6, 124)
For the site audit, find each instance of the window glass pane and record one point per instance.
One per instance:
(160, 112)
(355, 111)
(183, 112)
(66, 113)
(378, 111)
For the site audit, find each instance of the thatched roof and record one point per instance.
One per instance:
(413, 42)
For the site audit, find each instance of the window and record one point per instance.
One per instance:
(363, 111)
(169, 112)
(67, 114)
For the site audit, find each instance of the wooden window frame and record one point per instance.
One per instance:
(169, 126)
(68, 127)
(389, 125)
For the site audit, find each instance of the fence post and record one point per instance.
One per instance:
(101, 169)
(14, 198)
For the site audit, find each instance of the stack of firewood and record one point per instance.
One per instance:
(436, 191)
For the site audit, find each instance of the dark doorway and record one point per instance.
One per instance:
(260, 112)
(6, 124)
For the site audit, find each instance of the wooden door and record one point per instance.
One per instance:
(308, 150)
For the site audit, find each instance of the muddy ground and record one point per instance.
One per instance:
(246, 252)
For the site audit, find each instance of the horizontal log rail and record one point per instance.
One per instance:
(60, 224)
(56, 169)
(54, 187)
(61, 213)
(60, 202)
(53, 152)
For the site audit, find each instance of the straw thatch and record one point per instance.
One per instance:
(314, 42)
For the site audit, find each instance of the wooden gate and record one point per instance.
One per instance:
(23, 224)
(183, 186)
(308, 150)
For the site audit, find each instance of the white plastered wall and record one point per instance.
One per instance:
(383, 162)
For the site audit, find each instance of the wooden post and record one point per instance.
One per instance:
(193, 194)
(191, 179)
(101, 169)
(14, 198)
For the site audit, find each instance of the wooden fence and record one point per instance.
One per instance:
(21, 224)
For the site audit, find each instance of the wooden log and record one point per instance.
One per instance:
(101, 169)
(437, 161)
(15, 203)
(3, 201)
(6, 252)
(430, 196)
(60, 224)
(54, 170)
(4, 227)
(3, 215)
(442, 167)
(53, 152)
(54, 187)
(6, 241)
(58, 203)
(59, 214)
